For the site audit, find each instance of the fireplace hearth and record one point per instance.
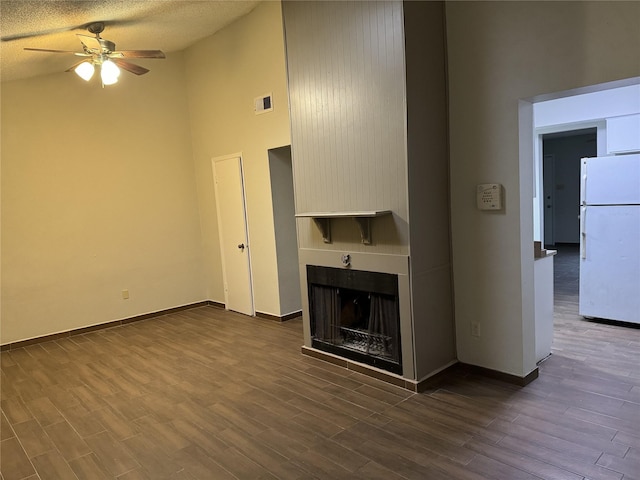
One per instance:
(355, 314)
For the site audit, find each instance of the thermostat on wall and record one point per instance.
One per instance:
(489, 196)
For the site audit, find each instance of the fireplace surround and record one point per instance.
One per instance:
(352, 162)
(355, 314)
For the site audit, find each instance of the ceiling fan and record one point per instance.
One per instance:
(103, 53)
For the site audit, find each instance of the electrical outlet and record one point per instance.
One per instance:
(475, 329)
(125, 294)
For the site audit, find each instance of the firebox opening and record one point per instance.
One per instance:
(354, 314)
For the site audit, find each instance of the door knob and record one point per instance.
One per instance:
(241, 246)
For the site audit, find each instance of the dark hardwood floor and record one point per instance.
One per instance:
(207, 394)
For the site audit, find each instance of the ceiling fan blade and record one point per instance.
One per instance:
(73, 67)
(138, 54)
(79, 54)
(130, 67)
(92, 43)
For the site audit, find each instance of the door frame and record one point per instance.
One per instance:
(214, 160)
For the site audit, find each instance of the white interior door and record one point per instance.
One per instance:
(232, 227)
(548, 182)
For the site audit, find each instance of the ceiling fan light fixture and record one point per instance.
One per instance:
(85, 70)
(109, 72)
(98, 52)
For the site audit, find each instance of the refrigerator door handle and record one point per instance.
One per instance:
(583, 231)
(583, 186)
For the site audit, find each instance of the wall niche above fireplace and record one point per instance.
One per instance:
(362, 219)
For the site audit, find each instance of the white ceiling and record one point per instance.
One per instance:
(167, 25)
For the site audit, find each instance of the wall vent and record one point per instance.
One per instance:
(263, 104)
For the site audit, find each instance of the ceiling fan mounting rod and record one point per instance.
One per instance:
(96, 28)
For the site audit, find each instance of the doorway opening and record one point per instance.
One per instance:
(284, 219)
(562, 152)
(567, 128)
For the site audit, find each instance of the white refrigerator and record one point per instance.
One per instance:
(610, 238)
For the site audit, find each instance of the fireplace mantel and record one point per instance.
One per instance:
(362, 218)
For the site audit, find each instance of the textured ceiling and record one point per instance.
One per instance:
(167, 25)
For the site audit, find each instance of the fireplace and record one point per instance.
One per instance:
(355, 314)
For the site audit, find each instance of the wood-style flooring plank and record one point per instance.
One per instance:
(589, 440)
(33, 438)
(199, 464)
(155, 462)
(572, 462)
(114, 455)
(493, 468)
(211, 394)
(389, 456)
(629, 465)
(52, 466)
(44, 411)
(5, 428)
(89, 467)
(67, 441)
(541, 438)
(236, 463)
(15, 464)
(520, 461)
(415, 441)
(320, 466)
(319, 424)
(15, 411)
(344, 457)
(374, 471)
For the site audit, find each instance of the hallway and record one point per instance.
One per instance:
(566, 271)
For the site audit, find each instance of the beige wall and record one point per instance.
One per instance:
(97, 196)
(225, 73)
(100, 193)
(498, 54)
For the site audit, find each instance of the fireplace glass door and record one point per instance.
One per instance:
(354, 314)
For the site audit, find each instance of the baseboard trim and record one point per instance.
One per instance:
(211, 303)
(111, 324)
(503, 377)
(276, 318)
(393, 379)
(431, 382)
